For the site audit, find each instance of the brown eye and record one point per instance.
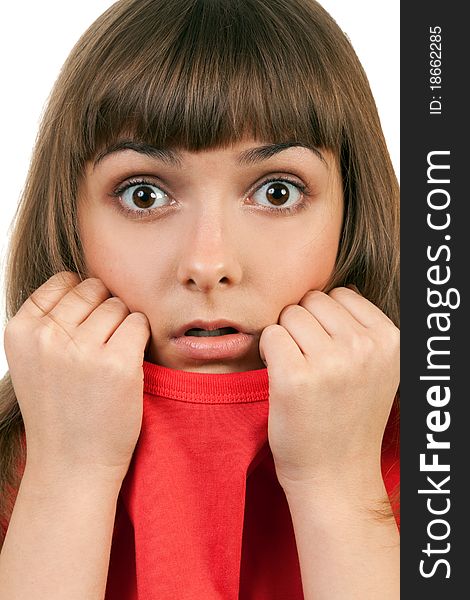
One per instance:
(144, 196)
(278, 193)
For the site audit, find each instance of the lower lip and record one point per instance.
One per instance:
(232, 345)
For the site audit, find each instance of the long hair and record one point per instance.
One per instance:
(198, 74)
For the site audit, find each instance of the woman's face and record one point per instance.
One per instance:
(200, 241)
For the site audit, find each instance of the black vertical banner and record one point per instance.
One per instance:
(435, 331)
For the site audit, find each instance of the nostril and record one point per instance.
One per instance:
(206, 285)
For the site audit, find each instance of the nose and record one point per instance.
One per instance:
(210, 258)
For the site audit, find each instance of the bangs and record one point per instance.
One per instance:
(197, 74)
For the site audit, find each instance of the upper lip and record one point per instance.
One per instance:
(209, 325)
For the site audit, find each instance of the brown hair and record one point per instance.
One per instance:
(198, 74)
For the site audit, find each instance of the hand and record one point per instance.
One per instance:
(75, 358)
(333, 365)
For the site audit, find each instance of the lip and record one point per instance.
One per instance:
(228, 346)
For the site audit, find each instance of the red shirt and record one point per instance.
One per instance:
(201, 515)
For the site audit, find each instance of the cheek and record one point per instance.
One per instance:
(123, 265)
(298, 274)
(301, 263)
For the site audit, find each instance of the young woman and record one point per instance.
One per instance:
(202, 293)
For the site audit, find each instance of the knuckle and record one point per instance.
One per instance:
(272, 329)
(94, 284)
(36, 298)
(311, 297)
(290, 311)
(46, 336)
(63, 276)
(12, 331)
(12, 323)
(363, 346)
(270, 332)
(115, 304)
(67, 276)
(393, 333)
(387, 332)
(64, 280)
(139, 319)
(339, 292)
(17, 328)
(90, 290)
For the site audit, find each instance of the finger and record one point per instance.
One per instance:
(103, 321)
(364, 311)
(278, 350)
(78, 303)
(304, 328)
(132, 334)
(42, 300)
(332, 315)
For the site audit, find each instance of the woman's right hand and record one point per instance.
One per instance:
(75, 357)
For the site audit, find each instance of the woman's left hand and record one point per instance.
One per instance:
(333, 365)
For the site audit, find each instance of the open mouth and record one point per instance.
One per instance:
(209, 343)
(198, 332)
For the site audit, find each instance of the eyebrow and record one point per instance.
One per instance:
(174, 158)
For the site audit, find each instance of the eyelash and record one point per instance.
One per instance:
(142, 214)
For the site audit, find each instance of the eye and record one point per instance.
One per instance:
(142, 195)
(279, 193)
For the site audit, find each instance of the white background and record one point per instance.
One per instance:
(37, 37)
